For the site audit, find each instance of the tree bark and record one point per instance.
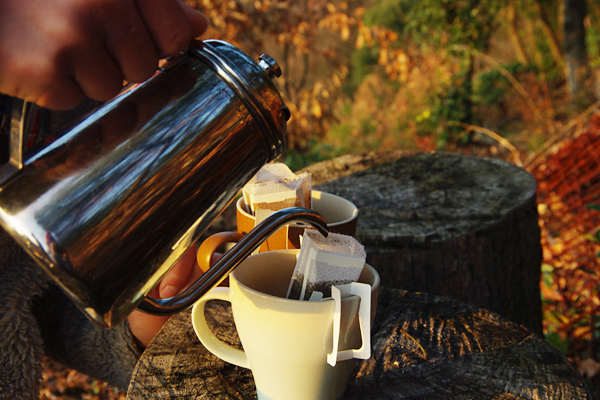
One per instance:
(424, 347)
(458, 226)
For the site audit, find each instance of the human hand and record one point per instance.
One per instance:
(145, 326)
(54, 52)
(185, 272)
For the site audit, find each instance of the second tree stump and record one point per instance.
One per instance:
(457, 226)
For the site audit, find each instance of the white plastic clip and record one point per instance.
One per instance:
(362, 290)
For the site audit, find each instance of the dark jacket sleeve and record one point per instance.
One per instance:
(73, 340)
(21, 348)
(37, 319)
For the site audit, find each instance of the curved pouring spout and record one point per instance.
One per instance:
(232, 259)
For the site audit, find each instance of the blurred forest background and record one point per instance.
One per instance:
(518, 80)
(420, 74)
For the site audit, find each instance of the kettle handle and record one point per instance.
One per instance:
(15, 161)
(232, 259)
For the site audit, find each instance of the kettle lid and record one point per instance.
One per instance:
(253, 83)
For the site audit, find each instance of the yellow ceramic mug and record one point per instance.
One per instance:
(340, 214)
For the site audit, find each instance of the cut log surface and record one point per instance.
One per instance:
(452, 225)
(457, 244)
(424, 347)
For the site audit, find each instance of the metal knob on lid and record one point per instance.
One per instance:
(270, 66)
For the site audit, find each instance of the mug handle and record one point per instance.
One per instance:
(363, 291)
(216, 346)
(211, 244)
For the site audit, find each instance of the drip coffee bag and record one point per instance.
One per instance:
(323, 262)
(276, 187)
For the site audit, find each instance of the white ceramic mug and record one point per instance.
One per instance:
(290, 345)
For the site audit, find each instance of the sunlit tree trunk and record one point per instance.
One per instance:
(513, 32)
(579, 81)
(468, 102)
(594, 9)
(553, 42)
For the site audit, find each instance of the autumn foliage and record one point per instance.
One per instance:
(312, 41)
(569, 208)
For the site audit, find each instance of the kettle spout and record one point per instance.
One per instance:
(232, 259)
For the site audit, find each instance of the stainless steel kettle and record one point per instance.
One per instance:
(113, 202)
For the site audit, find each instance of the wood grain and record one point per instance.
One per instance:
(470, 353)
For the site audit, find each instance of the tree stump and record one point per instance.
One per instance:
(424, 347)
(457, 226)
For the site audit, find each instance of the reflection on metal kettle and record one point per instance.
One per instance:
(109, 206)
